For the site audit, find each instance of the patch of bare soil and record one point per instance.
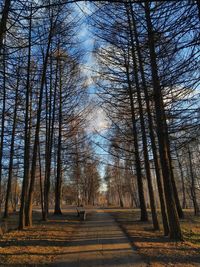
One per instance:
(39, 244)
(158, 250)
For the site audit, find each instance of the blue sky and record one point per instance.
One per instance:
(97, 121)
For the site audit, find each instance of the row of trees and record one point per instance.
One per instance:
(44, 105)
(148, 82)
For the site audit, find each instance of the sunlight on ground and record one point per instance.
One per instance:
(66, 235)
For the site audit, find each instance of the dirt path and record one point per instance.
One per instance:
(99, 242)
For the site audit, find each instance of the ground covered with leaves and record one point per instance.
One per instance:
(39, 244)
(43, 242)
(158, 250)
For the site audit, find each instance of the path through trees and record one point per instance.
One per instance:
(143, 69)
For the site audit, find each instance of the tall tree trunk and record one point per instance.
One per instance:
(77, 171)
(151, 131)
(41, 187)
(144, 215)
(25, 183)
(174, 224)
(193, 186)
(10, 171)
(58, 185)
(119, 187)
(176, 197)
(47, 146)
(49, 150)
(2, 125)
(37, 131)
(184, 205)
(142, 123)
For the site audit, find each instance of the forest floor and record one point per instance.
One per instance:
(65, 236)
(39, 244)
(66, 242)
(158, 250)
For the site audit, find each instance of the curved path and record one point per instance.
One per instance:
(99, 242)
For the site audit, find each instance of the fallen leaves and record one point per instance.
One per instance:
(39, 244)
(158, 250)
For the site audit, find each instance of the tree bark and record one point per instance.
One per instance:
(174, 224)
(58, 185)
(193, 187)
(49, 150)
(151, 131)
(10, 172)
(142, 123)
(41, 187)
(184, 205)
(176, 197)
(3, 22)
(144, 215)
(37, 131)
(2, 125)
(25, 182)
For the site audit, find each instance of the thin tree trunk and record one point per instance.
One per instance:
(41, 189)
(58, 185)
(37, 131)
(193, 187)
(2, 126)
(25, 182)
(176, 197)
(48, 147)
(119, 183)
(49, 151)
(144, 215)
(10, 172)
(184, 205)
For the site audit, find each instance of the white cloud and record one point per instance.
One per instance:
(98, 122)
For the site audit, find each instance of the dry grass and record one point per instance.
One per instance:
(39, 244)
(158, 250)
